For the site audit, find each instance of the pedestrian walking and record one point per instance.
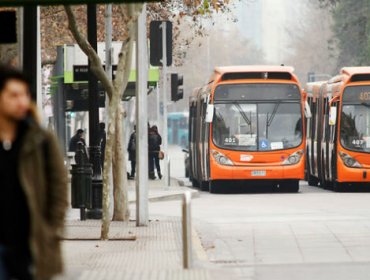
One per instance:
(157, 142)
(33, 188)
(131, 149)
(78, 137)
(102, 141)
(151, 152)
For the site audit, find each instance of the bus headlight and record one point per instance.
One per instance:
(349, 161)
(221, 158)
(294, 158)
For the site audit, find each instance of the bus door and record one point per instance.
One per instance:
(332, 137)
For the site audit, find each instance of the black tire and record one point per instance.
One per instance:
(204, 186)
(323, 183)
(289, 187)
(338, 187)
(312, 181)
(195, 183)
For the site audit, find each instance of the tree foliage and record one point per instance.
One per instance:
(351, 26)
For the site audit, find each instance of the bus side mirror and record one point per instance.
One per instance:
(209, 113)
(307, 110)
(333, 116)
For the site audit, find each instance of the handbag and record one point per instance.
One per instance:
(161, 155)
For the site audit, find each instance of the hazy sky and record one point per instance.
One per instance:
(266, 23)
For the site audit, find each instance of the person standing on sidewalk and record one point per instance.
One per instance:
(33, 191)
(131, 149)
(157, 139)
(78, 137)
(151, 150)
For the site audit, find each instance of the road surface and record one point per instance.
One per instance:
(314, 234)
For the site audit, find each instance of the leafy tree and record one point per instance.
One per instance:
(351, 26)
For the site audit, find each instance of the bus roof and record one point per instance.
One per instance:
(350, 71)
(252, 72)
(352, 74)
(253, 68)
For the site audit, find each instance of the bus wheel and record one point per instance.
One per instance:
(194, 183)
(214, 187)
(312, 181)
(204, 186)
(187, 173)
(289, 187)
(338, 187)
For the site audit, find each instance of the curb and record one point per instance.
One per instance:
(170, 197)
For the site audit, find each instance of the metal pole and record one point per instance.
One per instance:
(20, 36)
(186, 231)
(164, 96)
(29, 56)
(39, 94)
(94, 149)
(108, 47)
(142, 214)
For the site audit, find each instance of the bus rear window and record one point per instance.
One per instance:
(261, 92)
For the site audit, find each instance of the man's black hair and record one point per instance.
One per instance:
(102, 126)
(80, 131)
(9, 73)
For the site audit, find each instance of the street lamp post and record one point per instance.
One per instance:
(94, 149)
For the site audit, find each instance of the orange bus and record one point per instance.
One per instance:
(338, 134)
(246, 128)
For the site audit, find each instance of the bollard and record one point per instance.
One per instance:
(186, 231)
(81, 182)
(168, 171)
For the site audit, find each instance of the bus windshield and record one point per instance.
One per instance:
(355, 119)
(257, 126)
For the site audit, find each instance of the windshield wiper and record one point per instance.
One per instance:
(245, 117)
(269, 120)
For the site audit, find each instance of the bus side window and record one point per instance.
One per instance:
(313, 119)
(326, 123)
(309, 121)
(317, 117)
(333, 128)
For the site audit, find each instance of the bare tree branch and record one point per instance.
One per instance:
(125, 57)
(96, 65)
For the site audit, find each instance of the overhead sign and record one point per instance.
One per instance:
(76, 98)
(13, 3)
(81, 72)
(8, 34)
(156, 44)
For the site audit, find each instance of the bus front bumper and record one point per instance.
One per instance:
(253, 172)
(353, 175)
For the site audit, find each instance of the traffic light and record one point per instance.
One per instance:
(177, 92)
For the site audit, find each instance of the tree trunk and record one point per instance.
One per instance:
(121, 210)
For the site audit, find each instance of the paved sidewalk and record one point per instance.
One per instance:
(153, 252)
(156, 253)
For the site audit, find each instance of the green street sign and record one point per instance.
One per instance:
(13, 3)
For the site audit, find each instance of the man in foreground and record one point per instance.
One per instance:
(33, 187)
